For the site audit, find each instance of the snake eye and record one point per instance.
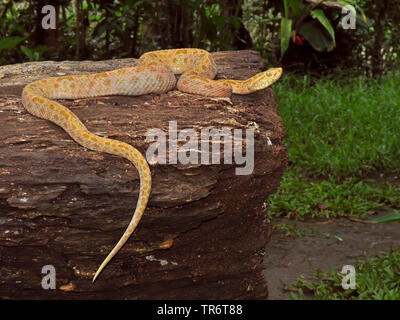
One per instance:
(273, 72)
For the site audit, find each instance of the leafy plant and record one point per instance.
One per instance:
(376, 279)
(34, 54)
(309, 20)
(10, 42)
(336, 127)
(300, 197)
(334, 138)
(293, 230)
(390, 217)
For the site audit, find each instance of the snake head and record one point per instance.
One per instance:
(264, 79)
(273, 74)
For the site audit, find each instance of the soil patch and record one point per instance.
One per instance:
(335, 243)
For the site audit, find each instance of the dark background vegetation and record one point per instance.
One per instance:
(106, 29)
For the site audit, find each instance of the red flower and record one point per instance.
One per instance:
(299, 40)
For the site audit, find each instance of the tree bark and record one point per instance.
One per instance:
(205, 228)
(81, 17)
(379, 37)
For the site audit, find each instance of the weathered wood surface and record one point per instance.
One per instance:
(205, 228)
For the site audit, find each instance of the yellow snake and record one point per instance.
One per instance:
(154, 73)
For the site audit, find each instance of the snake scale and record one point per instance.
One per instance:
(154, 73)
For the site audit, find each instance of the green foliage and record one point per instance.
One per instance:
(10, 42)
(317, 40)
(334, 138)
(319, 32)
(321, 17)
(376, 279)
(115, 29)
(300, 196)
(292, 230)
(286, 31)
(390, 217)
(34, 54)
(336, 129)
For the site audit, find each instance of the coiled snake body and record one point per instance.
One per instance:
(154, 73)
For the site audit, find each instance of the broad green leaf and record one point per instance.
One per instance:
(286, 29)
(28, 52)
(10, 42)
(316, 35)
(391, 217)
(320, 15)
(286, 8)
(235, 21)
(295, 6)
(350, 6)
(353, 7)
(41, 49)
(33, 54)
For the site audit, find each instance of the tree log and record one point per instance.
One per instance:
(204, 231)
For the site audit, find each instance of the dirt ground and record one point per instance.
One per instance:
(336, 242)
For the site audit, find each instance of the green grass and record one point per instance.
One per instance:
(293, 230)
(300, 197)
(341, 129)
(337, 134)
(375, 279)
